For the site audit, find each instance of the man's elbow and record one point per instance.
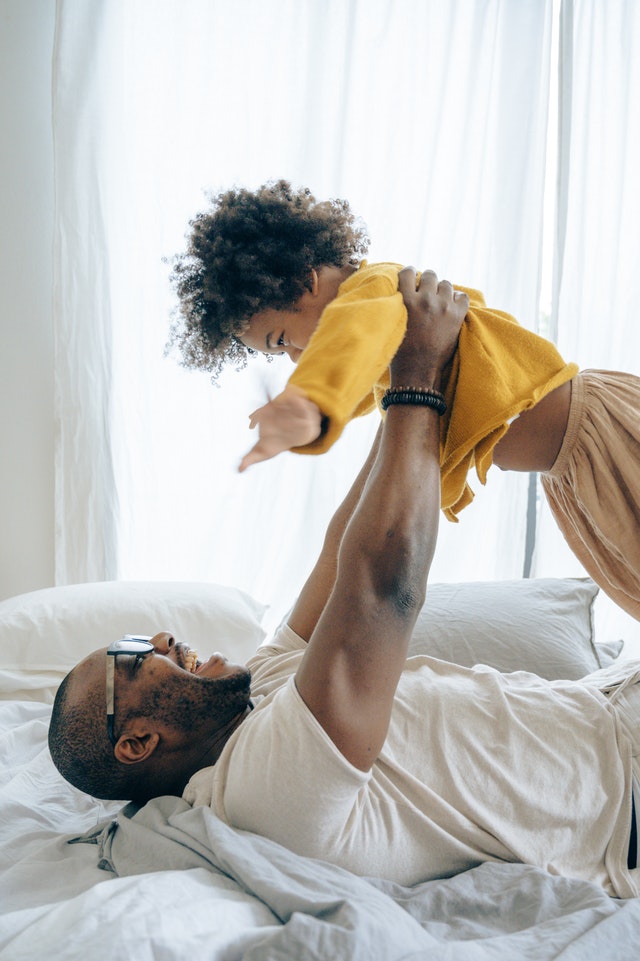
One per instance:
(402, 590)
(394, 578)
(410, 601)
(408, 597)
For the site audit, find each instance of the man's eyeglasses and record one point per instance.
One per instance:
(130, 644)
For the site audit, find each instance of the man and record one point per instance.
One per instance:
(337, 746)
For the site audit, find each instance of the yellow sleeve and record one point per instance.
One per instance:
(357, 337)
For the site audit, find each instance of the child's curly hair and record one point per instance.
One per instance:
(251, 251)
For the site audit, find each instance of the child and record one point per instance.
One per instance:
(275, 271)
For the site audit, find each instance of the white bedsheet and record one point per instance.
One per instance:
(188, 887)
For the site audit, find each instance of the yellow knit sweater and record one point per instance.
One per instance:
(498, 370)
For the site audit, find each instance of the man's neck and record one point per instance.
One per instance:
(220, 738)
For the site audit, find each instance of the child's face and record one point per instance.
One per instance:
(283, 331)
(289, 331)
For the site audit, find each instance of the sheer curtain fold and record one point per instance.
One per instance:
(596, 278)
(86, 493)
(596, 281)
(430, 118)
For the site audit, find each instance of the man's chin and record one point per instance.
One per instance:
(236, 678)
(216, 666)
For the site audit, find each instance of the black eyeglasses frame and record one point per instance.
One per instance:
(132, 644)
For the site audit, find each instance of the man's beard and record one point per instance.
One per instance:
(198, 704)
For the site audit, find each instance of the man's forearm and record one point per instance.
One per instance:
(395, 525)
(359, 645)
(390, 540)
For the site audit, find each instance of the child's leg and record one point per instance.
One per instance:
(534, 439)
(593, 488)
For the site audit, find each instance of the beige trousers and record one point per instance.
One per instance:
(593, 488)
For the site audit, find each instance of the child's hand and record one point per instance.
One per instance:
(289, 420)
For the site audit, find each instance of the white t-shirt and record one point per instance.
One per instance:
(477, 766)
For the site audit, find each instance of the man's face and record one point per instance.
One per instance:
(200, 701)
(174, 689)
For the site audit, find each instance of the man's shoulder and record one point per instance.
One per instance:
(276, 661)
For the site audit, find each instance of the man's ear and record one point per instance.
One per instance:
(132, 748)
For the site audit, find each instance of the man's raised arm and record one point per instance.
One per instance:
(350, 670)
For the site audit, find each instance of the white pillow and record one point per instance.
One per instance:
(43, 634)
(541, 625)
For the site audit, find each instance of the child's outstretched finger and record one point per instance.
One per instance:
(255, 456)
(254, 417)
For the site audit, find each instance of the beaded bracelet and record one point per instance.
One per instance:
(422, 396)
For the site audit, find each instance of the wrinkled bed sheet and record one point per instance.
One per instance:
(173, 883)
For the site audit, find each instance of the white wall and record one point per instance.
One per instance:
(26, 337)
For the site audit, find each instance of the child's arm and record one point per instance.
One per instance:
(357, 337)
(350, 351)
(289, 420)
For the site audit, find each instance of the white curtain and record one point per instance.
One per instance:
(596, 253)
(430, 118)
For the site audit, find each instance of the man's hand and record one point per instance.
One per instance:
(289, 420)
(435, 314)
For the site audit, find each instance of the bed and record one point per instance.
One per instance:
(80, 878)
